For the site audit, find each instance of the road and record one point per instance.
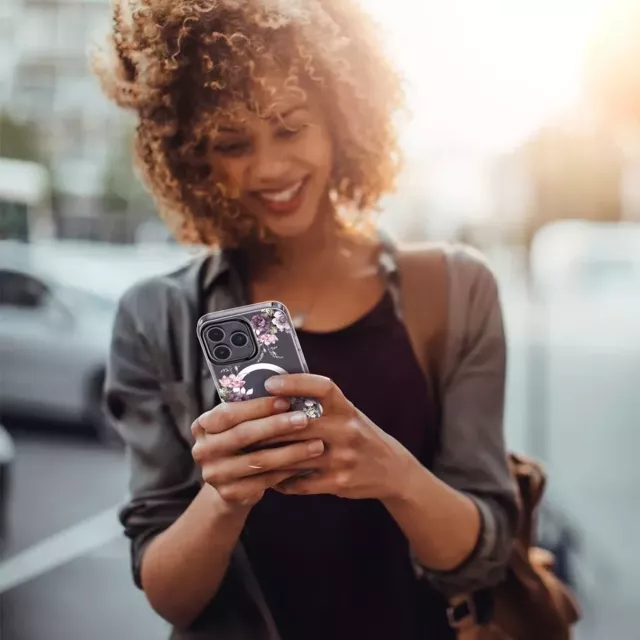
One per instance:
(585, 405)
(59, 481)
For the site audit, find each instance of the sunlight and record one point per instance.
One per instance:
(485, 73)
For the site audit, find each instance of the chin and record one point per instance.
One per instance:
(293, 226)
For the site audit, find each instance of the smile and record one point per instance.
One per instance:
(283, 201)
(285, 195)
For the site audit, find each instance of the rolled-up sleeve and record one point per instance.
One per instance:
(163, 477)
(472, 457)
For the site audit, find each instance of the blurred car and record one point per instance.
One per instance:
(57, 306)
(7, 454)
(53, 343)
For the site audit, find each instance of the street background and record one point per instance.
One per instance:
(524, 142)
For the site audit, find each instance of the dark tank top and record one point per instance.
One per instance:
(338, 569)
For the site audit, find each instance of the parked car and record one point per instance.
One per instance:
(57, 306)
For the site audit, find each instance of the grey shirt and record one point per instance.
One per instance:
(156, 382)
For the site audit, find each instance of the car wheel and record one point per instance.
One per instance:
(97, 417)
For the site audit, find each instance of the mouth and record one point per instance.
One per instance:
(283, 201)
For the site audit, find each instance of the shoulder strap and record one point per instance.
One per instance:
(424, 290)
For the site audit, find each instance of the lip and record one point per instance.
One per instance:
(283, 208)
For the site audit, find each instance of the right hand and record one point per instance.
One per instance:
(223, 435)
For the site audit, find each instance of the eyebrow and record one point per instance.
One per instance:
(230, 128)
(288, 112)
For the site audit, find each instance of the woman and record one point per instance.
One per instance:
(265, 129)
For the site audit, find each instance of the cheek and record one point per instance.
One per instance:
(320, 151)
(229, 174)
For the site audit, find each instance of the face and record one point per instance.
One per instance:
(277, 163)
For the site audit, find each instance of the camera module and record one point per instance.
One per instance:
(215, 334)
(239, 339)
(222, 353)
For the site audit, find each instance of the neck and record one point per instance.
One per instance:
(304, 254)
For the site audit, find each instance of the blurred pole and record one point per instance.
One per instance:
(538, 423)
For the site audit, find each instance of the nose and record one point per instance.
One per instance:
(270, 166)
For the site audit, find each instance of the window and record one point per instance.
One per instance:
(19, 290)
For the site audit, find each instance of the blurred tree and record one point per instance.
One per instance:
(122, 190)
(18, 140)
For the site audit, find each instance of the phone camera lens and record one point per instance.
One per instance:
(222, 353)
(239, 339)
(216, 334)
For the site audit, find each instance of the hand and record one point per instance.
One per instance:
(360, 460)
(223, 434)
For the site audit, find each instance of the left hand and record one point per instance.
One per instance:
(360, 459)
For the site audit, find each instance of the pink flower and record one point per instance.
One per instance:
(231, 382)
(267, 339)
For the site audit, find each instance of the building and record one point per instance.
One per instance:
(45, 80)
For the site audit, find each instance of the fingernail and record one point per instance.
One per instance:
(316, 448)
(281, 404)
(273, 384)
(298, 419)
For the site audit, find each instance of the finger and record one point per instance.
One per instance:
(248, 434)
(330, 429)
(312, 484)
(306, 385)
(244, 491)
(235, 468)
(322, 463)
(229, 414)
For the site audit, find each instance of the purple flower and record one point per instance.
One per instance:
(281, 322)
(267, 339)
(260, 323)
(231, 382)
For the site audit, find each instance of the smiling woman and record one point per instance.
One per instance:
(266, 128)
(214, 82)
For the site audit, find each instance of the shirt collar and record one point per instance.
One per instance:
(227, 265)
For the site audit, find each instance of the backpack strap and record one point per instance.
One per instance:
(424, 297)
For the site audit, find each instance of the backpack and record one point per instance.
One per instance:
(531, 603)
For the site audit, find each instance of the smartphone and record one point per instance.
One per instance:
(245, 346)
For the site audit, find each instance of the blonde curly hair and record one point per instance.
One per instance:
(181, 64)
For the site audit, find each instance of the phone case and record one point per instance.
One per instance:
(276, 351)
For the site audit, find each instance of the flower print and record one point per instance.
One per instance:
(267, 339)
(237, 394)
(231, 382)
(281, 322)
(260, 323)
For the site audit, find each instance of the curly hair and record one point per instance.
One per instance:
(181, 64)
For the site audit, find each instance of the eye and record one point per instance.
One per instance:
(236, 148)
(290, 132)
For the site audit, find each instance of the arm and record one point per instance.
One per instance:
(181, 535)
(183, 567)
(442, 525)
(460, 518)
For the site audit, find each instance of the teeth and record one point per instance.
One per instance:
(283, 196)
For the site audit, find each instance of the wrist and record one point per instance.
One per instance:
(228, 511)
(406, 481)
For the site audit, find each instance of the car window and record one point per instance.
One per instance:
(22, 291)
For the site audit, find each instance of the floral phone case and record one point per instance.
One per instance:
(247, 345)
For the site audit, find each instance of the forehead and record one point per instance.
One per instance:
(271, 96)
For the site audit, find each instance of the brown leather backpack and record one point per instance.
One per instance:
(531, 603)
